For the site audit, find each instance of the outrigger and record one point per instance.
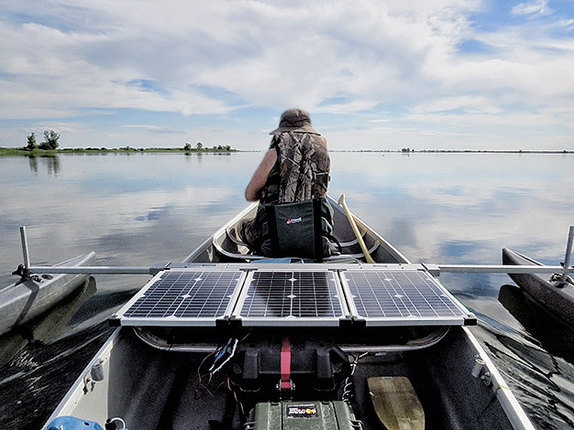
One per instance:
(34, 293)
(554, 293)
(228, 339)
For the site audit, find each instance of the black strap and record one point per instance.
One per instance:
(335, 240)
(317, 229)
(274, 235)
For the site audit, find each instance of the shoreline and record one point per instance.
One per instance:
(128, 150)
(102, 151)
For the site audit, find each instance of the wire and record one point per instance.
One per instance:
(242, 409)
(348, 386)
(201, 387)
(222, 353)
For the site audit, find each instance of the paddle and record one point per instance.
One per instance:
(353, 224)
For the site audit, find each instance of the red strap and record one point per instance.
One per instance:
(285, 364)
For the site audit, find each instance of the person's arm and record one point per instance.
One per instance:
(260, 175)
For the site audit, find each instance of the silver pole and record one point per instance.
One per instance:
(434, 269)
(568, 252)
(96, 270)
(25, 247)
(469, 268)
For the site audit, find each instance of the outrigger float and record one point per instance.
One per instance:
(35, 293)
(554, 293)
(230, 340)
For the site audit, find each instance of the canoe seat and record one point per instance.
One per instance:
(231, 234)
(396, 403)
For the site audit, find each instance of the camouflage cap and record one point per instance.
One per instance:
(295, 120)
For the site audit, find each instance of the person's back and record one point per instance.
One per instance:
(301, 171)
(294, 169)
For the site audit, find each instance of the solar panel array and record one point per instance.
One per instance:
(313, 296)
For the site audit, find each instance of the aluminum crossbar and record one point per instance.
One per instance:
(434, 269)
(437, 269)
(96, 270)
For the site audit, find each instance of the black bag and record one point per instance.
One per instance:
(303, 229)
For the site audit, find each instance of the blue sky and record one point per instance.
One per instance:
(373, 74)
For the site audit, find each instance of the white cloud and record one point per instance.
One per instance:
(265, 53)
(332, 57)
(538, 7)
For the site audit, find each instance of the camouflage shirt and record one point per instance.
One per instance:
(301, 171)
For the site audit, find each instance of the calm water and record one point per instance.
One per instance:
(145, 209)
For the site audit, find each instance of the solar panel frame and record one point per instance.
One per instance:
(184, 297)
(287, 295)
(401, 297)
(292, 298)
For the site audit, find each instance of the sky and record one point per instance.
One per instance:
(374, 74)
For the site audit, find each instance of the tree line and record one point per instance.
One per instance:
(50, 141)
(199, 147)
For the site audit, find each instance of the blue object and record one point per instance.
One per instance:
(73, 423)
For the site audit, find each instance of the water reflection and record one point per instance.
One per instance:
(147, 209)
(52, 163)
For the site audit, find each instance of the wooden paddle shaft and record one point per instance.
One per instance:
(353, 225)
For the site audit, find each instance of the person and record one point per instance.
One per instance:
(295, 168)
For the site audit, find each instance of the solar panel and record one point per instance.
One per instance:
(278, 296)
(291, 298)
(401, 297)
(184, 297)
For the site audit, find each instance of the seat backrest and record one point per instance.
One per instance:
(302, 229)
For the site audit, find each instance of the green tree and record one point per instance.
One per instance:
(31, 140)
(187, 147)
(199, 146)
(50, 140)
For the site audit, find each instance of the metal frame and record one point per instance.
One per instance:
(434, 269)
(416, 344)
(342, 293)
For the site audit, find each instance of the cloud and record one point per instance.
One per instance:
(538, 7)
(226, 60)
(153, 129)
(263, 53)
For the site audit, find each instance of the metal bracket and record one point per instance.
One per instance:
(433, 269)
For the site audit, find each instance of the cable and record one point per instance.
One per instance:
(348, 385)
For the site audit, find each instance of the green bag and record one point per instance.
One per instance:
(303, 229)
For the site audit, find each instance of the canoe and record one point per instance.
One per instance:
(227, 339)
(30, 297)
(542, 289)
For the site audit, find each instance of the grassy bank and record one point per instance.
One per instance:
(124, 150)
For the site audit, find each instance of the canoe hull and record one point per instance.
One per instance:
(25, 300)
(154, 382)
(154, 388)
(558, 301)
